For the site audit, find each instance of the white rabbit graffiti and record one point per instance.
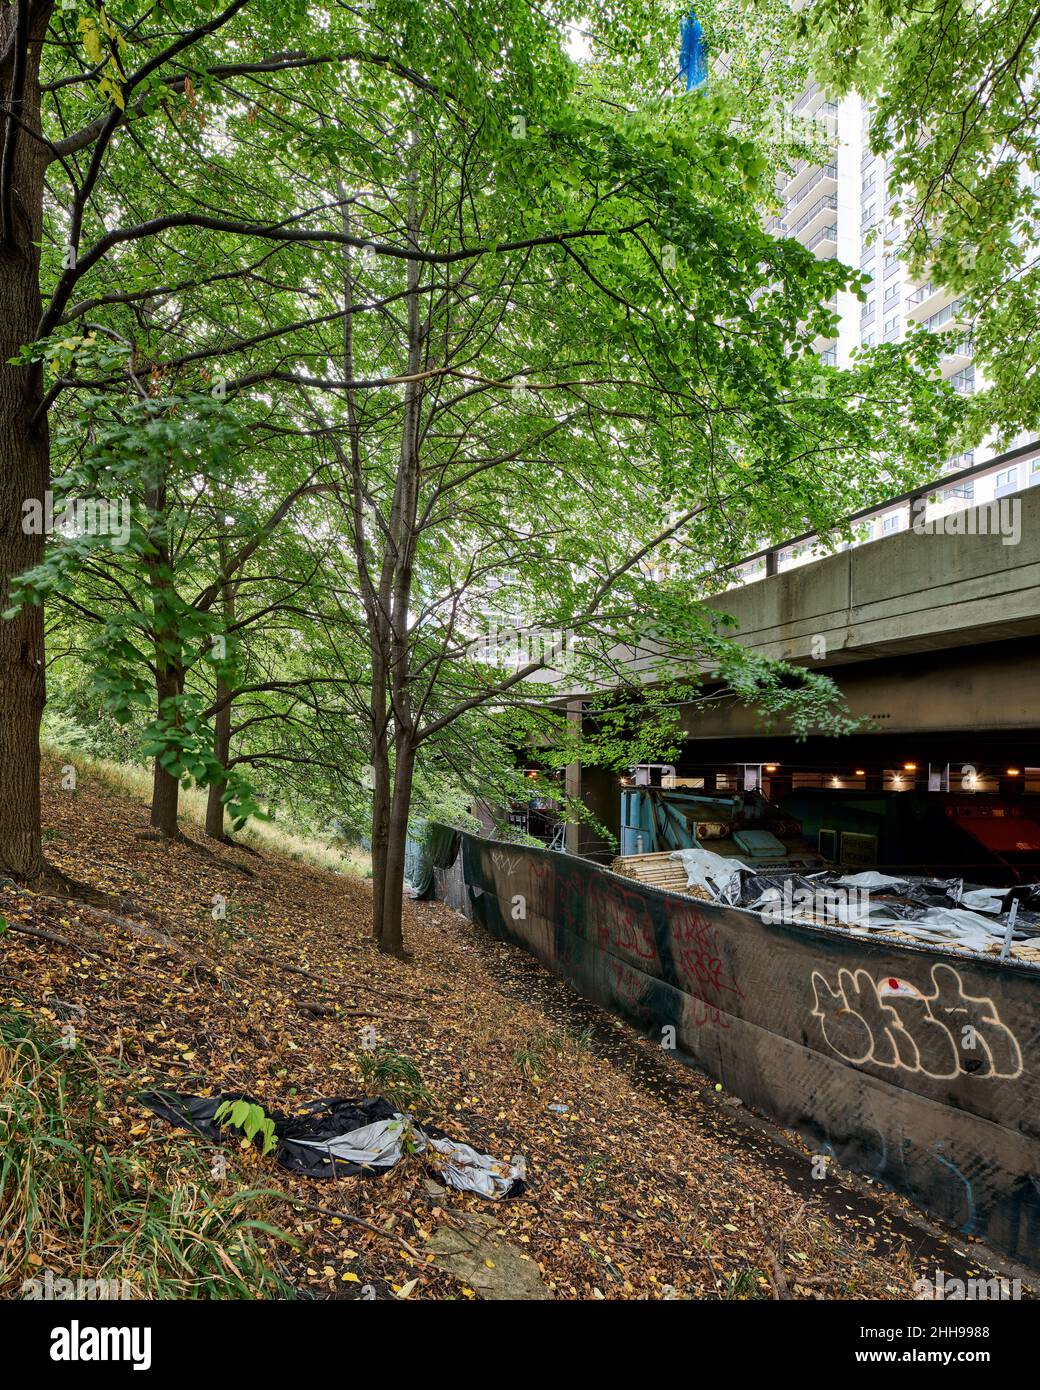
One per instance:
(891, 1023)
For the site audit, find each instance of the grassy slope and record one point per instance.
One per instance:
(627, 1197)
(136, 782)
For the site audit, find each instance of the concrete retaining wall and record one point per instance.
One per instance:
(915, 1066)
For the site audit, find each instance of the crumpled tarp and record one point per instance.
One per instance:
(872, 880)
(718, 873)
(934, 910)
(365, 1138)
(945, 911)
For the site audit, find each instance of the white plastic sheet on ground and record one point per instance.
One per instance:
(382, 1144)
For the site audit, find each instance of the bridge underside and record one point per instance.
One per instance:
(934, 642)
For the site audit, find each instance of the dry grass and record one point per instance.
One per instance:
(147, 1222)
(136, 781)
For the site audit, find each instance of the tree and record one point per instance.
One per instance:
(172, 605)
(956, 111)
(558, 421)
(513, 333)
(148, 157)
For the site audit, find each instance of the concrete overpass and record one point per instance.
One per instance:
(931, 636)
(918, 630)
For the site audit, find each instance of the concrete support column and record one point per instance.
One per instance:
(600, 790)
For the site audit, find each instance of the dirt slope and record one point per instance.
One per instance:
(641, 1183)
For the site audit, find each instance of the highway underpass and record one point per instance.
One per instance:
(933, 638)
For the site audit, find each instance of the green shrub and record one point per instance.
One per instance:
(395, 1077)
(140, 1216)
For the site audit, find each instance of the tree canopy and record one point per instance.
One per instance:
(388, 328)
(955, 109)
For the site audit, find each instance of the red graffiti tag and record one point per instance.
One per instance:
(697, 955)
(627, 986)
(622, 923)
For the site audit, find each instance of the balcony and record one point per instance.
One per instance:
(827, 175)
(943, 316)
(803, 101)
(828, 203)
(926, 300)
(958, 353)
(826, 234)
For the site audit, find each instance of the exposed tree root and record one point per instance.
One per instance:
(56, 939)
(52, 882)
(232, 843)
(179, 838)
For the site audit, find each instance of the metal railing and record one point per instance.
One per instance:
(807, 96)
(827, 202)
(771, 553)
(830, 171)
(920, 295)
(825, 234)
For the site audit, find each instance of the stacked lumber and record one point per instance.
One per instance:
(659, 870)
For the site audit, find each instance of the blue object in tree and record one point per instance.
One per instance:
(693, 55)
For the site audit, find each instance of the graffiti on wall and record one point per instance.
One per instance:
(885, 1058)
(702, 972)
(891, 1023)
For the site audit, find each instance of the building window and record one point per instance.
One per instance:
(1008, 478)
(964, 491)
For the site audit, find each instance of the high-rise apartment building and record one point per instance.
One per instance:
(844, 208)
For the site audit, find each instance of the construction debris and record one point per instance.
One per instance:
(938, 912)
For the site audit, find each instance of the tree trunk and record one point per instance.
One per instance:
(396, 593)
(165, 798)
(222, 751)
(380, 830)
(222, 719)
(24, 445)
(391, 937)
(165, 787)
(169, 670)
